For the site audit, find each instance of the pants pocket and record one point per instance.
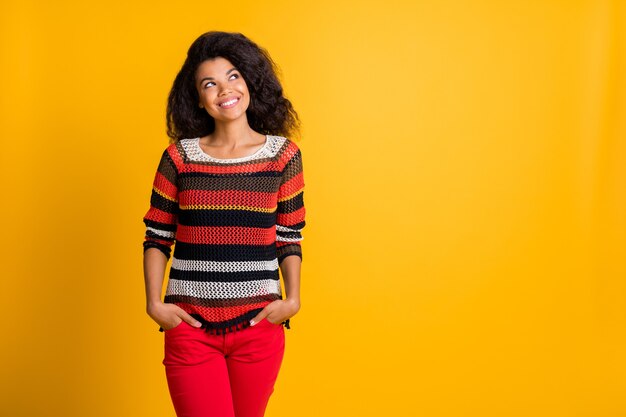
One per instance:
(178, 326)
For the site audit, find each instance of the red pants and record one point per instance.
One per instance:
(227, 375)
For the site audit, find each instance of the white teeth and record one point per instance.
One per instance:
(229, 102)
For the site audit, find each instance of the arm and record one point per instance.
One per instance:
(154, 263)
(290, 269)
(161, 222)
(290, 220)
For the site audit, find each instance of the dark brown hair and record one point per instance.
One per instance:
(269, 111)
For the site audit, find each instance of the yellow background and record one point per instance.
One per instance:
(465, 169)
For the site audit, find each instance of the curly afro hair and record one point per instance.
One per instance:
(269, 111)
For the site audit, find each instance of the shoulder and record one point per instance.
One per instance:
(291, 145)
(170, 150)
(287, 149)
(174, 152)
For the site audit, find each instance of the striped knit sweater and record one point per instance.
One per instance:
(231, 222)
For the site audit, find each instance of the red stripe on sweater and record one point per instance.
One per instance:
(160, 216)
(250, 166)
(165, 186)
(226, 235)
(296, 183)
(222, 313)
(226, 197)
(287, 219)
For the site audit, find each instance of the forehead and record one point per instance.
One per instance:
(213, 67)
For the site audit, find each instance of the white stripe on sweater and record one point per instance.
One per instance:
(281, 228)
(164, 233)
(209, 290)
(226, 266)
(287, 239)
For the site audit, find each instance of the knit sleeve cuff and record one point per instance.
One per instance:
(166, 249)
(288, 250)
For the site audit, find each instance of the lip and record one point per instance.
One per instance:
(229, 99)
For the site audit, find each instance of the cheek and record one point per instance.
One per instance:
(246, 93)
(242, 86)
(206, 95)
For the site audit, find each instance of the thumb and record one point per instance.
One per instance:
(258, 317)
(187, 317)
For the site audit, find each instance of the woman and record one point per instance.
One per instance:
(228, 191)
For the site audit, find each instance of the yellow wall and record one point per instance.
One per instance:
(465, 164)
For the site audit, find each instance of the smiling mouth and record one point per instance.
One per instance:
(230, 103)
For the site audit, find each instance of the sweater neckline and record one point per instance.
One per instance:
(196, 143)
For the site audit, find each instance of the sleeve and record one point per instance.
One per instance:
(290, 212)
(161, 220)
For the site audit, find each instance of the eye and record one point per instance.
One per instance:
(211, 82)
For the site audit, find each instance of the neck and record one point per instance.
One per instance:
(233, 133)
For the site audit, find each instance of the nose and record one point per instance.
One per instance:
(225, 91)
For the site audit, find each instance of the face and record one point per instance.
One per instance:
(219, 82)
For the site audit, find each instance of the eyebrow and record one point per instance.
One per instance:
(211, 78)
